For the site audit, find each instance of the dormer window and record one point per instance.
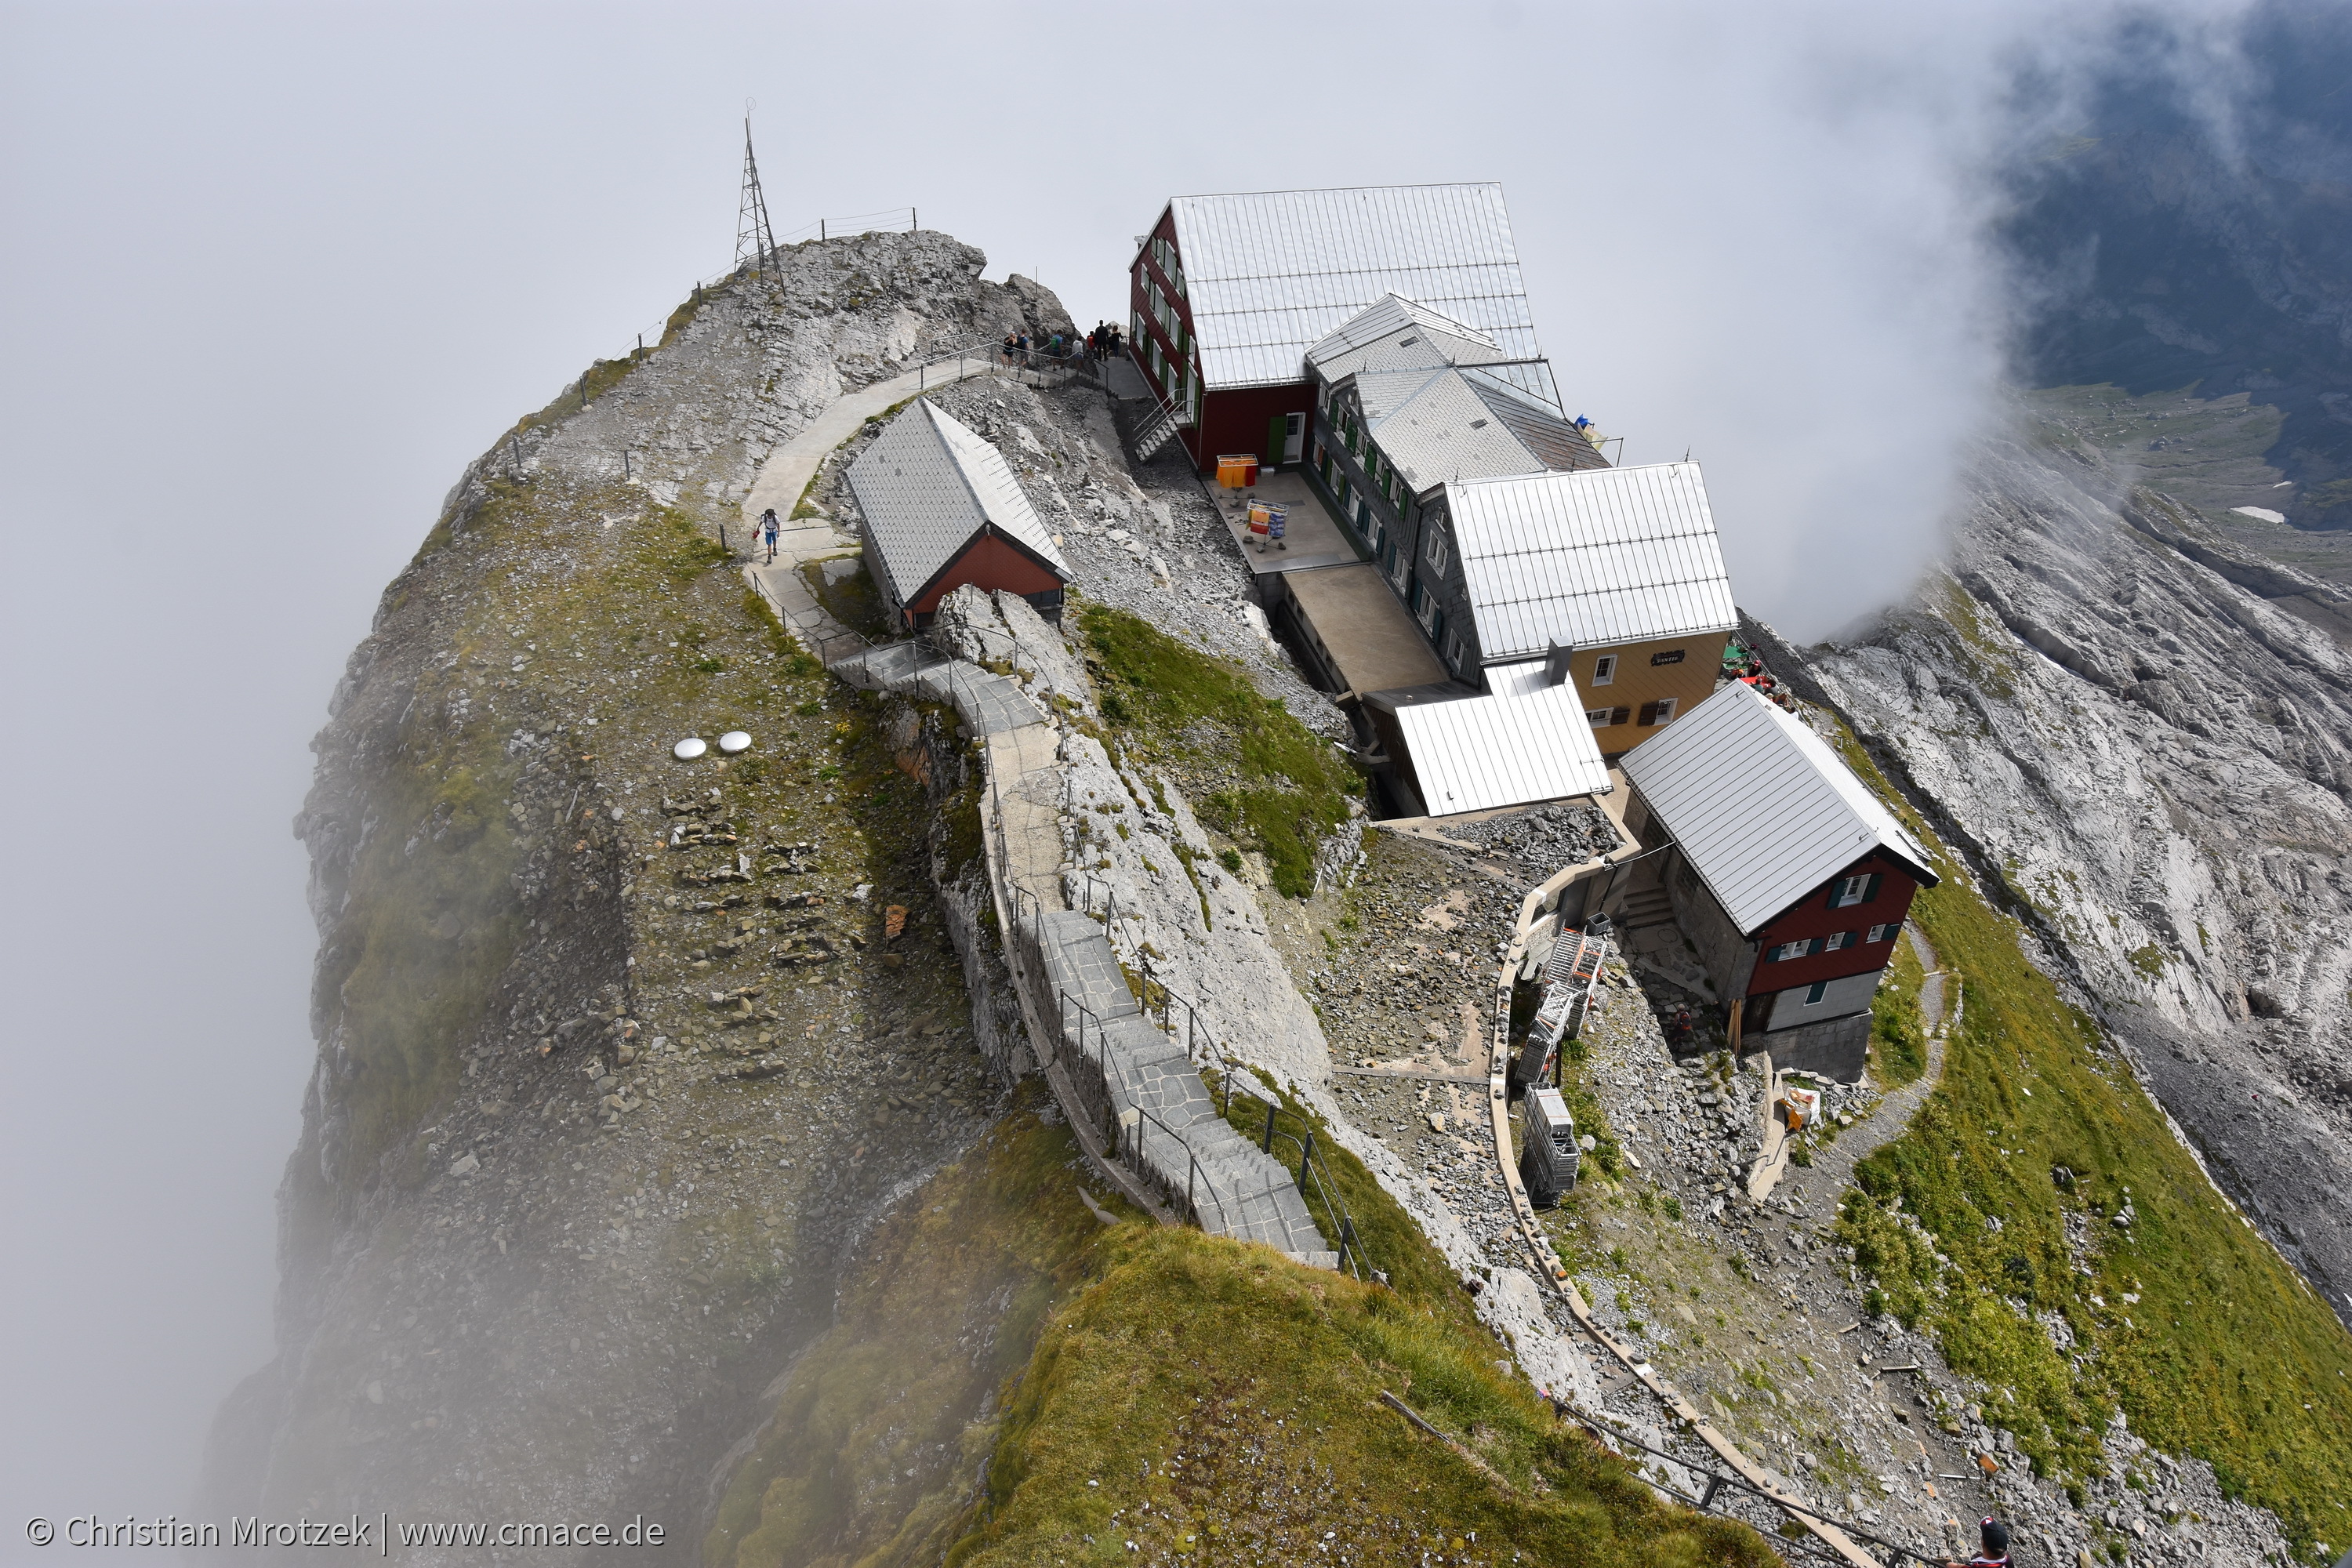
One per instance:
(1604, 669)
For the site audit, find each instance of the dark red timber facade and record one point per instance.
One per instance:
(1790, 880)
(941, 511)
(994, 562)
(1226, 294)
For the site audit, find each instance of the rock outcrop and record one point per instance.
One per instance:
(2143, 731)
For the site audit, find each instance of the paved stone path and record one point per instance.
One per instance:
(1130, 1091)
(786, 474)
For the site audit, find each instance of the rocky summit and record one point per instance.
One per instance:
(849, 1067)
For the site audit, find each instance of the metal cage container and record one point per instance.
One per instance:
(1548, 1161)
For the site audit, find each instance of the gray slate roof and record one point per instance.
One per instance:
(1590, 559)
(1268, 274)
(927, 485)
(1764, 811)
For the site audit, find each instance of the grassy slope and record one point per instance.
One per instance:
(2184, 1318)
(883, 1420)
(1292, 787)
(1209, 1400)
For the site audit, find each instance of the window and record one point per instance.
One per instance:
(1815, 991)
(1604, 669)
(1454, 650)
(1671, 655)
(1848, 891)
(1436, 550)
(1425, 608)
(1837, 940)
(1802, 948)
(1600, 718)
(1659, 712)
(1886, 933)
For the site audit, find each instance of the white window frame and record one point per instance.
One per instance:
(1600, 718)
(1604, 669)
(1839, 941)
(1851, 891)
(1453, 650)
(1436, 550)
(1886, 933)
(1665, 714)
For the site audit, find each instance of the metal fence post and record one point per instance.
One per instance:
(1269, 1145)
(1305, 1156)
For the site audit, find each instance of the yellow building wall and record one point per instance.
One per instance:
(1637, 681)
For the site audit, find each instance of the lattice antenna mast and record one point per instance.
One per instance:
(754, 240)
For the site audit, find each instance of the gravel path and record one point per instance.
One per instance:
(1832, 1168)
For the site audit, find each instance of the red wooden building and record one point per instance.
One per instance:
(1790, 877)
(943, 509)
(1228, 292)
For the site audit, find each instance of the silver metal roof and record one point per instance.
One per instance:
(1268, 274)
(927, 485)
(1764, 811)
(1590, 559)
(1438, 402)
(1486, 752)
(1394, 332)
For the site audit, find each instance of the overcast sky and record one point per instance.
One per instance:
(272, 274)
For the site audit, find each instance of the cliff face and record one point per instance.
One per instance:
(2144, 731)
(615, 1064)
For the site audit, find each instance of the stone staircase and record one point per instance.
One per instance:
(1141, 1083)
(988, 704)
(1646, 907)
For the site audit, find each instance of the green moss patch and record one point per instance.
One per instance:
(1175, 704)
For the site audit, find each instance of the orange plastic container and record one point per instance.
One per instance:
(1234, 473)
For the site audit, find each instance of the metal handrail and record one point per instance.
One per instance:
(1341, 1223)
(1112, 1072)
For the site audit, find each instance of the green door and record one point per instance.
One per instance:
(1277, 435)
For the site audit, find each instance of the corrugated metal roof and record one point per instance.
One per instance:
(1435, 427)
(1590, 559)
(1436, 401)
(1764, 811)
(1487, 752)
(1394, 332)
(1519, 679)
(928, 484)
(1268, 274)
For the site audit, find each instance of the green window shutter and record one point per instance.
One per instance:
(1870, 891)
(1278, 430)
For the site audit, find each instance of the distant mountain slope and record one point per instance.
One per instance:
(2196, 230)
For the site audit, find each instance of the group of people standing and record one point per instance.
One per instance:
(1019, 352)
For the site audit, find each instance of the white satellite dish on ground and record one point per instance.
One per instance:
(693, 746)
(734, 741)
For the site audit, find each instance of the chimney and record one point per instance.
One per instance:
(1556, 664)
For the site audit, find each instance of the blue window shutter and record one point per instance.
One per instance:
(1870, 890)
(1820, 944)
